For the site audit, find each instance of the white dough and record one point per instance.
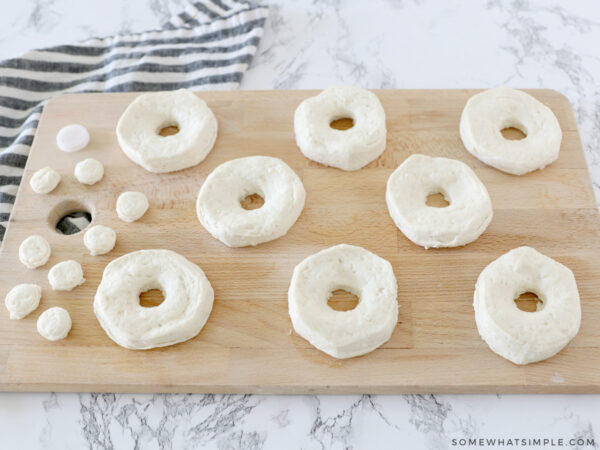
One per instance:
(72, 138)
(525, 337)
(344, 334)
(89, 171)
(345, 149)
(139, 126)
(99, 239)
(44, 180)
(65, 276)
(22, 299)
(488, 113)
(220, 212)
(183, 313)
(54, 324)
(462, 221)
(34, 251)
(131, 206)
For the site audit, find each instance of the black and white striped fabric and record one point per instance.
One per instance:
(207, 46)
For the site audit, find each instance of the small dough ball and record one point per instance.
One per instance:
(131, 206)
(65, 276)
(72, 138)
(99, 239)
(54, 324)
(89, 171)
(44, 180)
(22, 299)
(34, 251)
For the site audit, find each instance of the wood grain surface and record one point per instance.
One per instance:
(248, 344)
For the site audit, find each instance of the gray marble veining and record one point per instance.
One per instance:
(177, 421)
(313, 44)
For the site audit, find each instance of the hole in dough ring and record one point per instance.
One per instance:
(344, 334)
(188, 299)
(525, 337)
(221, 213)
(139, 127)
(348, 149)
(486, 114)
(462, 221)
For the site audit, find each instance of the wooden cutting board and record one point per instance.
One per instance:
(248, 344)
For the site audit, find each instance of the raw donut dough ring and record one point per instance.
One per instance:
(139, 126)
(462, 221)
(183, 313)
(486, 114)
(220, 212)
(525, 337)
(345, 149)
(344, 334)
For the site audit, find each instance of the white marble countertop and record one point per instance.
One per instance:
(374, 44)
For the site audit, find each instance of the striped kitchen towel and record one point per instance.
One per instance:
(207, 46)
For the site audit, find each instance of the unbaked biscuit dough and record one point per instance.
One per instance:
(54, 324)
(344, 334)
(34, 251)
(65, 276)
(72, 138)
(89, 171)
(486, 114)
(462, 221)
(99, 239)
(44, 180)
(131, 206)
(139, 127)
(183, 313)
(525, 337)
(348, 149)
(219, 209)
(22, 299)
